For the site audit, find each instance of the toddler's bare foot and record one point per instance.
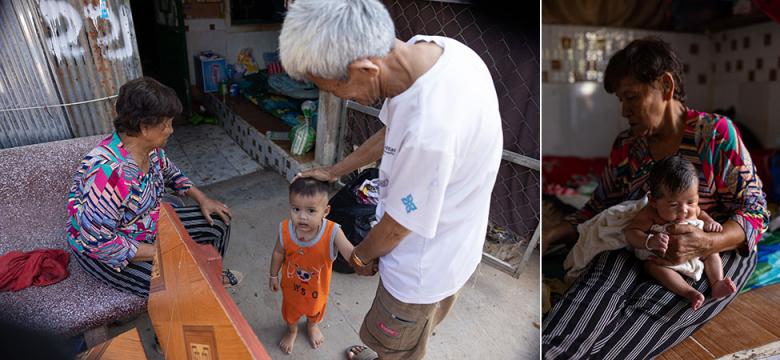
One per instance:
(723, 288)
(315, 335)
(288, 340)
(696, 298)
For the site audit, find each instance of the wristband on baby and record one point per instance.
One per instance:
(647, 241)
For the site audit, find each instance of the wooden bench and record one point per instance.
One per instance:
(193, 315)
(33, 191)
(125, 346)
(750, 322)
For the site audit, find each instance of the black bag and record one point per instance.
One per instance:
(354, 217)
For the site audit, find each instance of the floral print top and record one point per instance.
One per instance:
(113, 205)
(729, 187)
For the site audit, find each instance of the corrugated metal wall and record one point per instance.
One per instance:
(57, 52)
(25, 80)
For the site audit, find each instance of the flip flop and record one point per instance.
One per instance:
(233, 277)
(363, 353)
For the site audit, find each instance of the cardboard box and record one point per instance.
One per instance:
(209, 72)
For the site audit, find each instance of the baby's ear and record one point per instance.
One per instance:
(327, 210)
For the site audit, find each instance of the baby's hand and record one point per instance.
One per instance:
(658, 242)
(713, 226)
(273, 283)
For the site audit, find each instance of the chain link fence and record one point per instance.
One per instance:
(512, 57)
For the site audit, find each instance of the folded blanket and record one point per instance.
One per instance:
(601, 233)
(20, 270)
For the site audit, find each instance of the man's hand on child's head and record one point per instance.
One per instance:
(273, 283)
(713, 226)
(321, 174)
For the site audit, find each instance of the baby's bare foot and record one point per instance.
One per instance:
(696, 298)
(723, 288)
(315, 335)
(288, 340)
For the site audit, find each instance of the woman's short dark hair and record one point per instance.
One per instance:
(144, 101)
(671, 175)
(645, 60)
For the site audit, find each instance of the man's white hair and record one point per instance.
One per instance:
(322, 37)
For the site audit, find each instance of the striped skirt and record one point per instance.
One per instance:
(135, 278)
(616, 311)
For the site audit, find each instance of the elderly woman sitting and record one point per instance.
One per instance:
(114, 202)
(613, 310)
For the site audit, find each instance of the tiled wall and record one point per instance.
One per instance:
(750, 54)
(581, 53)
(732, 68)
(268, 154)
(200, 36)
(746, 70)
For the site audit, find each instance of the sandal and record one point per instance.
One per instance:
(231, 278)
(362, 353)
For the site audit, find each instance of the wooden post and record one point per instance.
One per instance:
(328, 126)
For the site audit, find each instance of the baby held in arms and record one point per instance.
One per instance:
(674, 199)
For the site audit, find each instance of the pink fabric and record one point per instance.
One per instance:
(20, 270)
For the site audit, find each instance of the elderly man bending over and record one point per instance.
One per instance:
(440, 150)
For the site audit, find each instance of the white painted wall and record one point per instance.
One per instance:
(579, 119)
(226, 43)
(758, 108)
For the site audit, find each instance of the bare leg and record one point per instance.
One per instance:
(288, 340)
(673, 281)
(315, 335)
(721, 287)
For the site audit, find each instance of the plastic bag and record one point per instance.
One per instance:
(355, 217)
(302, 138)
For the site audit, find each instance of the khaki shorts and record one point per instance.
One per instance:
(397, 330)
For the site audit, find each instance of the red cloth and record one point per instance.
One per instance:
(20, 270)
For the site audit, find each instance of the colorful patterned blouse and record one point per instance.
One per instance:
(729, 187)
(112, 205)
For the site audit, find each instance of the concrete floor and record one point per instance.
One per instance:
(207, 155)
(495, 316)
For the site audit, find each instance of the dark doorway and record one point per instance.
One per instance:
(162, 46)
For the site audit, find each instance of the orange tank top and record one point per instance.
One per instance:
(307, 267)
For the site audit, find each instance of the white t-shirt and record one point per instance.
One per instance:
(443, 146)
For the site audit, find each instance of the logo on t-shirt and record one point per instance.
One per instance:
(389, 150)
(409, 203)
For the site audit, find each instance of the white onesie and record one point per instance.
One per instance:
(604, 232)
(692, 268)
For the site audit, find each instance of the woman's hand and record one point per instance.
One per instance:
(321, 174)
(713, 226)
(145, 252)
(658, 242)
(273, 283)
(209, 206)
(686, 242)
